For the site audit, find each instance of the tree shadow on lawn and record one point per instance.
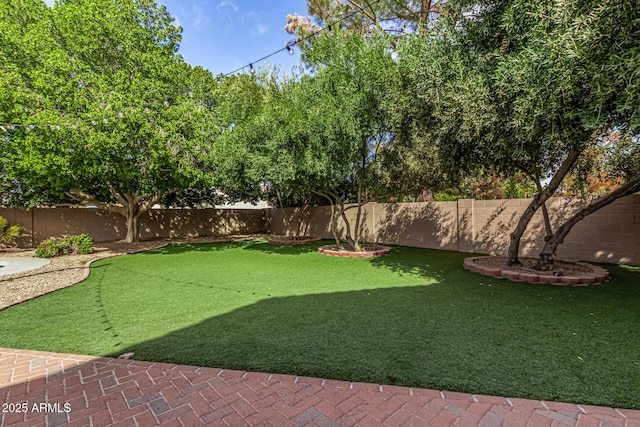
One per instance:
(484, 337)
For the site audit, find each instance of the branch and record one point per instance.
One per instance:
(116, 195)
(363, 10)
(87, 199)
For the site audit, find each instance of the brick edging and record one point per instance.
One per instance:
(598, 274)
(379, 251)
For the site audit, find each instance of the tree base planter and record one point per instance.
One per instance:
(565, 273)
(370, 251)
(298, 240)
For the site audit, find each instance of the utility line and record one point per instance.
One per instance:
(290, 45)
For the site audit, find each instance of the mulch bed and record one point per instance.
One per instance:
(566, 273)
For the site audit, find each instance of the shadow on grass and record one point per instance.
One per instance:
(493, 337)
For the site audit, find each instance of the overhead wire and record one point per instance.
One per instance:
(4, 127)
(290, 44)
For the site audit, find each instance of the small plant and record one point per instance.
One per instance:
(49, 248)
(78, 244)
(8, 233)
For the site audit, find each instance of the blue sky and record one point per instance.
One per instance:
(222, 35)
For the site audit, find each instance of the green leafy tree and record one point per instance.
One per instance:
(366, 17)
(349, 122)
(116, 119)
(506, 83)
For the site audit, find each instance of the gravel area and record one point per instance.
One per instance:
(70, 269)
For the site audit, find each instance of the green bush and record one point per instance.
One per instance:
(8, 233)
(49, 248)
(79, 244)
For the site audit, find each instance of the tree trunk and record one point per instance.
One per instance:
(332, 223)
(133, 211)
(545, 260)
(538, 200)
(356, 230)
(545, 213)
(351, 244)
(130, 206)
(132, 228)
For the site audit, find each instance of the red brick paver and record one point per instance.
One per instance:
(53, 389)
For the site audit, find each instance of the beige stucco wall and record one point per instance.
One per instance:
(41, 223)
(611, 234)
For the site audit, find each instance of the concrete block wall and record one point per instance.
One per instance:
(42, 223)
(611, 234)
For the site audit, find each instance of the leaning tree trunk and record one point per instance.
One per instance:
(545, 214)
(536, 203)
(545, 260)
(332, 223)
(351, 244)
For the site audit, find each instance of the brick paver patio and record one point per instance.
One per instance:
(52, 389)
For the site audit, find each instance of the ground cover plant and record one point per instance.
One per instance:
(412, 318)
(75, 244)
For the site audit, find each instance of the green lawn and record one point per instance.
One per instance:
(413, 318)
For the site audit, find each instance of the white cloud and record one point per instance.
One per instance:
(226, 9)
(227, 4)
(261, 28)
(49, 2)
(252, 19)
(200, 19)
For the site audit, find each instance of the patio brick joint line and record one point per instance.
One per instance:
(84, 392)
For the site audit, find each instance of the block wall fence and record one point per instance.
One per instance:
(41, 223)
(610, 235)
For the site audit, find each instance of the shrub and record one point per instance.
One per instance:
(79, 244)
(49, 248)
(8, 233)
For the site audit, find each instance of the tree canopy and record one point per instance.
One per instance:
(115, 117)
(522, 85)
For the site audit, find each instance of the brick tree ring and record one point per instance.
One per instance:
(371, 250)
(298, 240)
(589, 274)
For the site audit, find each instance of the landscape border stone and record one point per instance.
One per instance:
(595, 277)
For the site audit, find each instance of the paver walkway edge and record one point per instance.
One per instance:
(53, 389)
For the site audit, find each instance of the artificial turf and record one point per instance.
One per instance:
(412, 318)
